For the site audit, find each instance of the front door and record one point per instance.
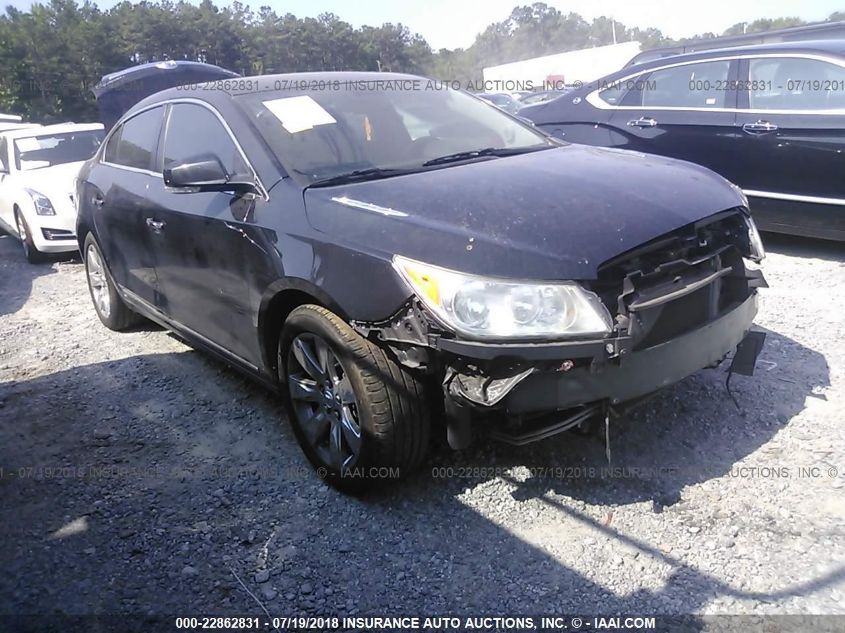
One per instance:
(686, 111)
(200, 237)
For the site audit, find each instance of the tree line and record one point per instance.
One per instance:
(52, 55)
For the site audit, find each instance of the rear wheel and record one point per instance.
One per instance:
(32, 254)
(360, 417)
(108, 305)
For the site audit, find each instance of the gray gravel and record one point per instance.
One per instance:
(141, 476)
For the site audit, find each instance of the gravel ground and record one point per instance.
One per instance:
(142, 477)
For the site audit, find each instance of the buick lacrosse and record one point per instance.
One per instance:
(390, 258)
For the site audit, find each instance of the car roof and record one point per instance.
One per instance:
(60, 128)
(218, 89)
(828, 47)
(8, 126)
(136, 73)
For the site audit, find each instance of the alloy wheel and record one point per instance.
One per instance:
(97, 281)
(324, 402)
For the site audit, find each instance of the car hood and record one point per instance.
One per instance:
(552, 214)
(59, 179)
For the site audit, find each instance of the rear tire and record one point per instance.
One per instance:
(110, 308)
(359, 416)
(32, 254)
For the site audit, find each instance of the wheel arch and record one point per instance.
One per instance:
(82, 231)
(278, 301)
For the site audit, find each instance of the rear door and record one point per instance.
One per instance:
(6, 213)
(792, 114)
(685, 111)
(119, 187)
(200, 237)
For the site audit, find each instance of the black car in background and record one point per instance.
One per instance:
(541, 96)
(769, 118)
(381, 253)
(501, 100)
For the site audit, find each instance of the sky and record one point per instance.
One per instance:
(455, 23)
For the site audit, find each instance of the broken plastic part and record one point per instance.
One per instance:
(480, 388)
(557, 425)
(407, 333)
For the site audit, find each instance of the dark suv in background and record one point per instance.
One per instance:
(769, 118)
(381, 252)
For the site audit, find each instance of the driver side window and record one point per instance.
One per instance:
(4, 156)
(195, 133)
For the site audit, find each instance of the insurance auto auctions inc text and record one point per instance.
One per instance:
(499, 623)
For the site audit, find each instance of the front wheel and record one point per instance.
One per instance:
(32, 254)
(359, 416)
(108, 305)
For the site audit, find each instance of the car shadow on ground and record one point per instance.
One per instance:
(163, 483)
(797, 246)
(684, 435)
(13, 266)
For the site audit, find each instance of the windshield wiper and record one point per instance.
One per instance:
(487, 151)
(371, 173)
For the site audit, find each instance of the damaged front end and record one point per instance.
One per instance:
(679, 303)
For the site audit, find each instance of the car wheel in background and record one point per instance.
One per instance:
(111, 309)
(360, 417)
(32, 254)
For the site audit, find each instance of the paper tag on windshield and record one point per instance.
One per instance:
(298, 114)
(27, 144)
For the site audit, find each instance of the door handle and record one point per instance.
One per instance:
(155, 225)
(759, 127)
(643, 121)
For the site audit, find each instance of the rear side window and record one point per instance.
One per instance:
(614, 93)
(110, 153)
(4, 156)
(699, 85)
(791, 83)
(134, 144)
(195, 133)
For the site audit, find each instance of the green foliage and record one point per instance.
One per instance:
(53, 55)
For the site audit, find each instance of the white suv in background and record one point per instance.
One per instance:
(38, 169)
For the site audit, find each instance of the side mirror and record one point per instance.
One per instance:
(205, 175)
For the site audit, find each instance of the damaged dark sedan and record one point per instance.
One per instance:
(387, 253)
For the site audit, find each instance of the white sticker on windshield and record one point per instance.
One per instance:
(27, 144)
(298, 114)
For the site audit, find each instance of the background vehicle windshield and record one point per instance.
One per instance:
(327, 133)
(37, 152)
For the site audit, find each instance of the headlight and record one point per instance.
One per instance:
(754, 240)
(485, 308)
(43, 206)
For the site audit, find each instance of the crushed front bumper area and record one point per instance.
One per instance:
(680, 303)
(638, 373)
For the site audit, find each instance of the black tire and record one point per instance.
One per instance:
(114, 313)
(32, 254)
(391, 408)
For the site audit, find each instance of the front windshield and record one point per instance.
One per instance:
(37, 152)
(327, 133)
